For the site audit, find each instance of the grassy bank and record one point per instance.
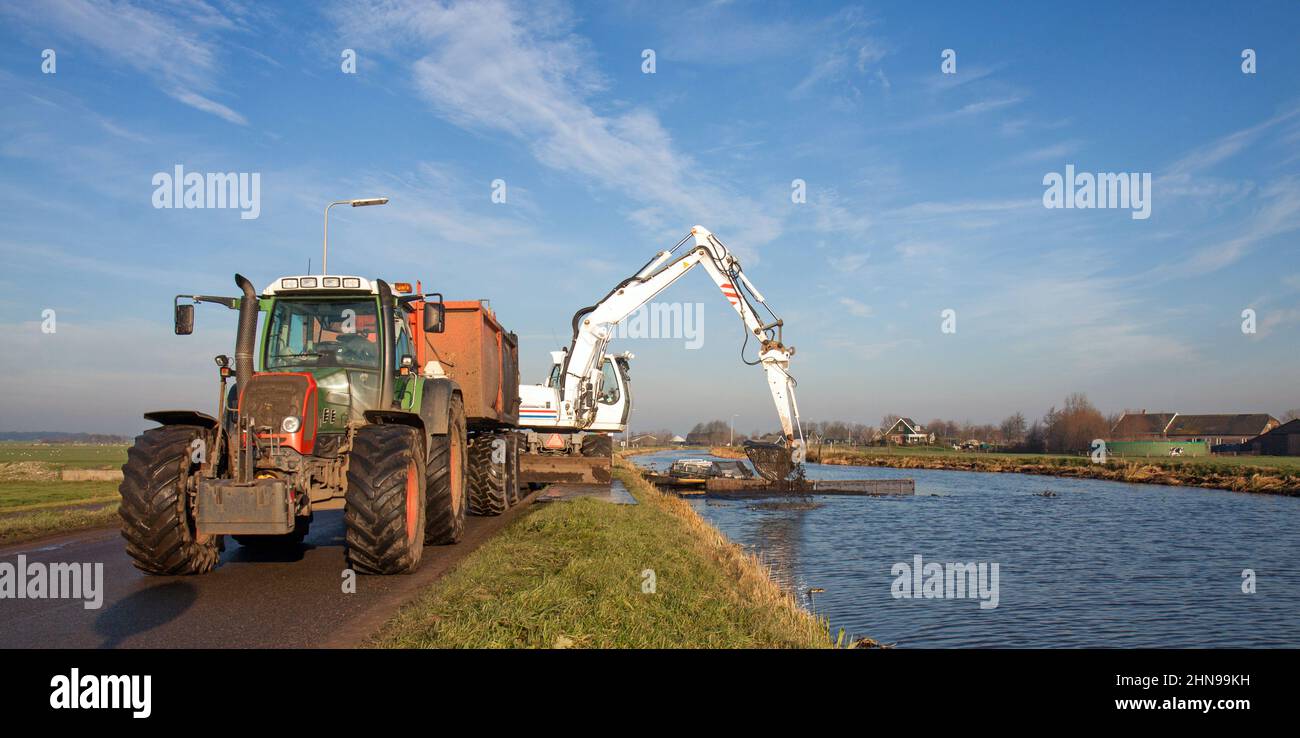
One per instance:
(571, 574)
(35, 502)
(1279, 475)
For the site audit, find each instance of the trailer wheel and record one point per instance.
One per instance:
(385, 502)
(158, 486)
(597, 444)
(301, 526)
(489, 474)
(448, 493)
(512, 457)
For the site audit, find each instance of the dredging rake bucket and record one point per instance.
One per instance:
(771, 460)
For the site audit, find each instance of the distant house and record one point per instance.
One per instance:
(648, 439)
(1283, 440)
(1213, 429)
(907, 432)
(678, 441)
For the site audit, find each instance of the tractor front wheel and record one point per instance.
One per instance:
(157, 511)
(385, 503)
(447, 488)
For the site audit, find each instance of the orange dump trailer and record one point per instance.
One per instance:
(482, 357)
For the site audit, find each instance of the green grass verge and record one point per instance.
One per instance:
(33, 495)
(25, 526)
(570, 574)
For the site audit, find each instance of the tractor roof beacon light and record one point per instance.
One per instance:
(357, 203)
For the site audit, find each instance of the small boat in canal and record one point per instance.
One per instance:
(685, 475)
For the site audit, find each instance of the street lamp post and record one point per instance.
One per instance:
(357, 203)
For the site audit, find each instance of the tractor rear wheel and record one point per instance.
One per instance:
(385, 501)
(597, 444)
(512, 458)
(158, 487)
(489, 474)
(448, 493)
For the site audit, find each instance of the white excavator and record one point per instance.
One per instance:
(568, 419)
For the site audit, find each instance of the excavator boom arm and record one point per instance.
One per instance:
(593, 327)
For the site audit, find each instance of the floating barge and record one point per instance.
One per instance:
(762, 488)
(692, 477)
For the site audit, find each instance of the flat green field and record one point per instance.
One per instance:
(34, 502)
(65, 455)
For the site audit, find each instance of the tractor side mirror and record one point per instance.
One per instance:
(184, 320)
(435, 313)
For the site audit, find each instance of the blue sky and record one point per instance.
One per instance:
(924, 191)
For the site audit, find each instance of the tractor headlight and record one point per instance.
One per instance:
(291, 424)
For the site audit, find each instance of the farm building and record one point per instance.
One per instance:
(906, 432)
(1141, 426)
(1213, 429)
(1283, 440)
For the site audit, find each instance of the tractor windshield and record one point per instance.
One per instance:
(318, 333)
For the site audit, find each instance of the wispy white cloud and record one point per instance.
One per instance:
(1278, 214)
(856, 307)
(171, 47)
(518, 70)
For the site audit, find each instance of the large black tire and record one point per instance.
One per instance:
(512, 451)
(597, 444)
(301, 526)
(489, 479)
(447, 489)
(157, 511)
(385, 503)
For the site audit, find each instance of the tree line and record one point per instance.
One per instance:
(1068, 429)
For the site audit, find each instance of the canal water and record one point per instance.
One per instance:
(1095, 564)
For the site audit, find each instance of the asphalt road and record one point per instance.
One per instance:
(290, 599)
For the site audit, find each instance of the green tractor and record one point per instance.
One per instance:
(336, 413)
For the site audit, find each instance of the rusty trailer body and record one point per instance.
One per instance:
(482, 358)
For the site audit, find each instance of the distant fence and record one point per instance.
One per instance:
(1157, 448)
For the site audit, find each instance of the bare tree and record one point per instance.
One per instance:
(1013, 428)
(1073, 428)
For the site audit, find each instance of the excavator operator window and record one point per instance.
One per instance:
(609, 393)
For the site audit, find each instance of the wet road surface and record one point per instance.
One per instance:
(285, 599)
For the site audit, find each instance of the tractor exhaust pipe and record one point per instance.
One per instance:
(389, 348)
(247, 334)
